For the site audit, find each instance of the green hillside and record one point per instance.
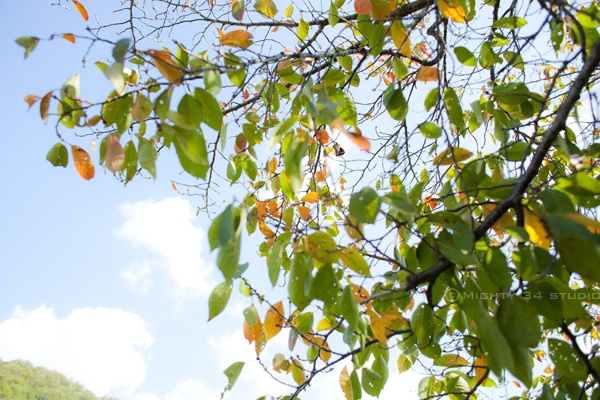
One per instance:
(20, 380)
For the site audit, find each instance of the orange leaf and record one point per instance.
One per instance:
(237, 38)
(517, 383)
(548, 369)
(31, 99)
(81, 10)
(265, 229)
(273, 321)
(320, 176)
(274, 208)
(312, 197)
(115, 156)
(304, 213)
(83, 162)
(273, 164)
(44, 105)
(174, 187)
(69, 37)
(164, 64)
(452, 9)
(378, 327)
(252, 332)
(361, 141)
(363, 7)
(360, 293)
(322, 136)
(261, 207)
(428, 74)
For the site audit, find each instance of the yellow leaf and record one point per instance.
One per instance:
(280, 363)
(298, 372)
(453, 10)
(165, 65)
(69, 37)
(115, 156)
(346, 384)
(549, 369)
(480, 367)
(83, 162)
(265, 229)
(31, 99)
(428, 74)
(273, 321)
(400, 39)
(81, 10)
(266, 7)
(536, 228)
(505, 221)
(252, 332)
(324, 325)
(591, 224)
(354, 228)
(273, 164)
(451, 156)
(324, 351)
(381, 9)
(378, 327)
(312, 197)
(237, 38)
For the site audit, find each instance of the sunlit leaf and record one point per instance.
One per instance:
(400, 38)
(83, 162)
(311, 197)
(81, 9)
(537, 230)
(237, 38)
(452, 9)
(266, 8)
(451, 156)
(165, 65)
(274, 320)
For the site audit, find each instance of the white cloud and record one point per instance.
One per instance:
(192, 390)
(101, 348)
(138, 275)
(165, 227)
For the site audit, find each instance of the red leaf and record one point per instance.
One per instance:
(363, 7)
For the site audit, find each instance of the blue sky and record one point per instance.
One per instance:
(107, 284)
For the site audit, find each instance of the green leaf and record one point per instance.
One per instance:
(325, 286)
(29, 43)
(191, 151)
(493, 339)
(356, 389)
(228, 259)
(396, 104)
(120, 50)
(299, 275)
(423, 322)
(238, 7)
(400, 69)
(517, 62)
(519, 322)
(350, 308)
(266, 8)
(512, 93)
(365, 205)
(232, 373)
(432, 99)
(249, 167)
(305, 322)
(212, 81)
(509, 22)
(566, 360)
(147, 156)
(212, 115)
(333, 15)
(131, 161)
(430, 130)
(302, 30)
(454, 109)
(293, 162)
(114, 73)
(218, 299)
(58, 155)
(274, 261)
(487, 57)
(372, 382)
(465, 56)
(251, 316)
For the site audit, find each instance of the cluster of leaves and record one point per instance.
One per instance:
(477, 260)
(20, 380)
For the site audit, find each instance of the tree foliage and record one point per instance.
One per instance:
(424, 175)
(20, 380)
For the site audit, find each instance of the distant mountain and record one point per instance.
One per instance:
(20, 380)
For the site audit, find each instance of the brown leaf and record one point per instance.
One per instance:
(83, 162)
(115, 156)
(31, 99)
(69, 37)
(81, 10)
(164, 64)
(273, 321)
(44, 105)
